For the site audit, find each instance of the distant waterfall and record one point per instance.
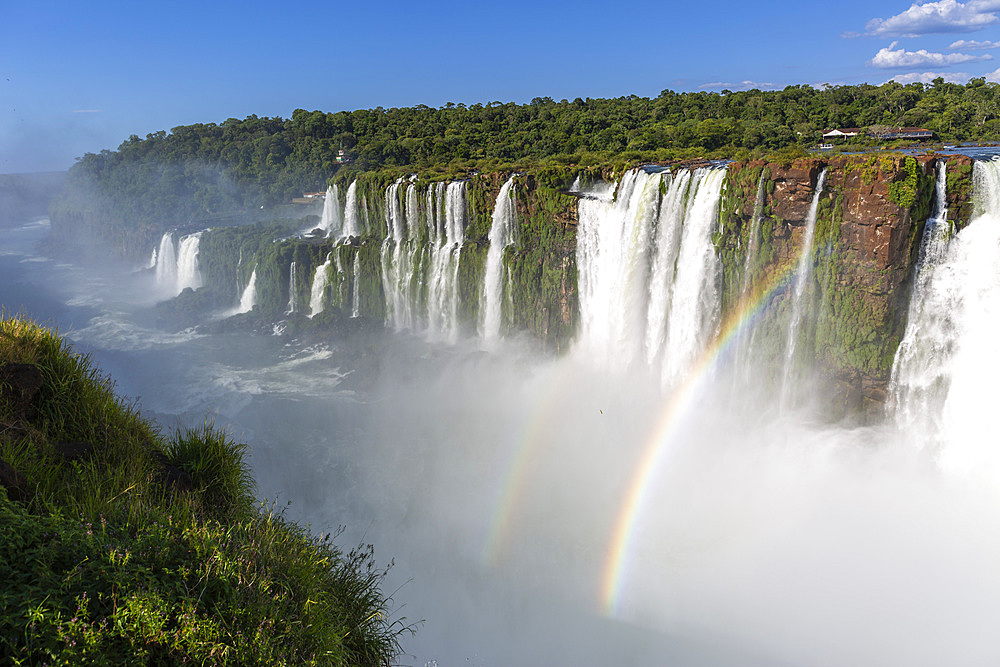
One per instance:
(177, 268)
(446, 217)
(332, 222)
(152, 260)
(354, 224)
(945, 370)
(249, 297)
(803, 272)
(320, 280)
(293, 290)
(502, 234)
(166, 262)
(188, 274)
(396, 269)
(356, 297)
(648, 270)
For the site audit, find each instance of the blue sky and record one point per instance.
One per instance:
(79, 77)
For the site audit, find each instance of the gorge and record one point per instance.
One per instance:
(691, 437)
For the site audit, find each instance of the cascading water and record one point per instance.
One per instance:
(188, 274)
(356, 297)
(446, 227)
(320, 279)
(503, 233)
(353, 222)
(152, 260)
(332, 222)
(249, 297)
(396, 269)
(648, 271)
(166, 263)
(293, 290)
(946, 366)
(745, 338)
(803, 273)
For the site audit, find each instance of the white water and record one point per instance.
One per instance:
(503, 233)
(803, 273)
(446, 217)
(177, 269)
(396, 262)
(354, 224)
(320, 279)
(332, 221)
(248, 299)
(293, 289)
(775, 541)
(648, 271)
(944, 375)
(356, 297)
(166, 263)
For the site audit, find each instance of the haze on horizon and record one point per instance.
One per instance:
(78, 79)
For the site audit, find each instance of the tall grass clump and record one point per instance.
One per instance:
(121, 546)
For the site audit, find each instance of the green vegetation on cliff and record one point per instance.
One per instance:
(208, 170)
(125, 547)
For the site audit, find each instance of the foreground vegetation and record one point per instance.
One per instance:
(124, 547)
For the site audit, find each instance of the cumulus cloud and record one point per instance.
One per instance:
(936, 17)
(973, 45)
(994, 76)
(890, 57)
(927, 77)
(742, 85)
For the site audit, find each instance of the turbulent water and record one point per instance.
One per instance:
(592, 509)
(503, 233)
(648, 271)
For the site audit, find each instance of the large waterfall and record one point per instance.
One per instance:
(355, 214)
(947, 364)
(332, 221)
(648, 269)
(177, 268)
(503, 233)
(446, 231)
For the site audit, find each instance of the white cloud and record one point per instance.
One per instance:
(927, 77)
(742, 85)
(935, 17)
(973, 45)
(891, 58)
(994, 76)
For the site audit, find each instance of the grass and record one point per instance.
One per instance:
(151, 550)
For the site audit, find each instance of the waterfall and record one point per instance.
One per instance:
(947, 364)
(332, 222)
(502, 234)
(395, 262)
(293, 290)
(188, 274)
(647, 270)
(249, 297)
(803, 273)
(446, 216)
(745, 338)
(356, 297)
(320, 279)
(152, 260)
(166, 263)
(352, 213)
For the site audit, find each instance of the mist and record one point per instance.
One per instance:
(498, 479)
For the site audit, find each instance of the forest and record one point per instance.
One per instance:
(195, 173)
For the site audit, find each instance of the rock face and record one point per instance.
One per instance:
(870, 219)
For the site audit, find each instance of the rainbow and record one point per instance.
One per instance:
(747, 311)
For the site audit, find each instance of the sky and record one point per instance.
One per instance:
(81, 77)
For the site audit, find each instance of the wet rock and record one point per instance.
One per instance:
(15, 483)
